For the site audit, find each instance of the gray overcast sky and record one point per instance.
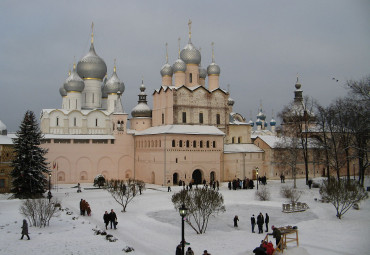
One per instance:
(259, 45)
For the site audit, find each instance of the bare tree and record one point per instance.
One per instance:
(123, 191)
(39, 211)
(201, 204)
(343, 194)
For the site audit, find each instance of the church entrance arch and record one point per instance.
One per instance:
(175, 178)
(197, 176)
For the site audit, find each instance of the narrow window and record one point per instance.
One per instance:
(183, 117)
(207, 144)
(194, 144)
(214, 144)
(190, 77)
(74, 122)
(173, 143)
(96, 122)
(218, 119)
(187, 144)
(176, 160)
(239, 139)
(57, 121)
(201, 144)
(201, 118)
(233, 140)
(162, 118)
(180, 143)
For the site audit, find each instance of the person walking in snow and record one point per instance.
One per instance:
(253, 222)
(267, 220)
(106, 219)
(189, 251)
(260, 222)
(236, 219)
(276, 234)
(168, 186)
(113, 219)
(25, 229)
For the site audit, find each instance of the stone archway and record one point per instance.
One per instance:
(197, 176)
(175, 178)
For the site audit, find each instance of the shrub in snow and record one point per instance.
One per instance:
(39, 211)
(291, 193)
(342, 194)
(99, 180)
(128, 249)
(263, 194)
(201, 204)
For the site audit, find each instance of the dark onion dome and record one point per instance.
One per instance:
(141, 109)
(166, 70)
(179, 66)
(230, 101)
(261, 115)
(91, 66)
(74, 82)
(272, 122)
(265, 124)
(259, 122)
(62, 90)
(114, 85)
(202, 73)
(213, 69)
(190, 55)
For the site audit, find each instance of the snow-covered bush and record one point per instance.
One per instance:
(263, 194)
(99, 180)
(39, 211)
(291, 193)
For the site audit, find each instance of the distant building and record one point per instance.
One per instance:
(6, 156)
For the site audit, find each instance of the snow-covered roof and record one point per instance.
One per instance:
(54, 136)
(6, 139)
(83, 112)
(181, 129)
(239, 148)
(274, 141)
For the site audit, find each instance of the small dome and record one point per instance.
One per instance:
(141, 109)
(190, 55)
(261, 115)
(272, 122)
(91, 66)
(114, 85)
(265, 124)
(74, 82)
(179, 66)
(230, 101)
(166, 70)
(259, 122)
(62, 90)
(213, 69)
(251, 123)
(202, 73)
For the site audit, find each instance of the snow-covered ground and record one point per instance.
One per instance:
(152, 226)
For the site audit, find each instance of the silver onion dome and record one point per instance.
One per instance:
(104, 94)
(74, 82)
(62, 90)
(114, 85)
(202, 73)
(91, 66)
(179, 66)
(166, 70)
(190, 55)
(213, 69)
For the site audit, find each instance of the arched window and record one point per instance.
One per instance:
(57, 121)
(207, 144)
(233, 140)
(190, 77)
(194, 144)
(201, 144)
(173, 143)
(218, 119)
(201, 118)
(180, 143)
(187, 144)
(214, 144)
(239, 139)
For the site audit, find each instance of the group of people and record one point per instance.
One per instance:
(189, 251)
(260, 221)
(110, 218)
(241, 184)
(85, 208)
(262, 179)
(267, 248)
(282, 178)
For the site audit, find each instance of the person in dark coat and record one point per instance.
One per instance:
(309, 183)
(25, 229)
(260, 222)
(106, 219)
(113, 219)
(253, 222)
(276, 234)
(267, 220)
(81, 206)
(178, 250)
(259, 251)
(236, 219)
(189, 251)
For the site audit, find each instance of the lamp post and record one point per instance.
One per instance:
(183, 211)
(257, 176)
(49, 193)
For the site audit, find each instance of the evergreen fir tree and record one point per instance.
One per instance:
(29, 165)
